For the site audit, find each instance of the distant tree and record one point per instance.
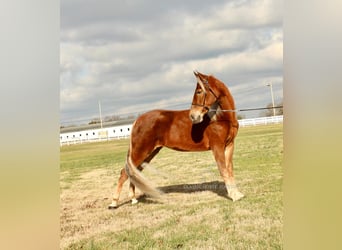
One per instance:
(240, 116)
(269, 111)
(94, 121)
(131, 116)
(279, 111)
(112, 118)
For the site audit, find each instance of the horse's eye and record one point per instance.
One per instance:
(199, 91)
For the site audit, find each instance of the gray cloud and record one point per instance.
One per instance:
(136, 55)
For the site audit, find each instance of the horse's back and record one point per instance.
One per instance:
(157, 123)
(159, 126)
(158, 118)
(169, 128)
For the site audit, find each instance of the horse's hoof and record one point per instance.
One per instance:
(113, 205)
(134, 201)
(237, 196)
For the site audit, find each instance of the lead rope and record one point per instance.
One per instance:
(242, 110)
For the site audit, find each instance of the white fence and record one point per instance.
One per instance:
(124, 131)
(104, 134)
(261, 121)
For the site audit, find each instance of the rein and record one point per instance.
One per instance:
(242, 110)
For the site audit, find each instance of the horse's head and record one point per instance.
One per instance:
(204, 98)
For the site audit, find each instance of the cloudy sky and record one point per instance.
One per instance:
(137, 55)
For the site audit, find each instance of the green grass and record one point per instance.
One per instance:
(194, 214)
(81, 158)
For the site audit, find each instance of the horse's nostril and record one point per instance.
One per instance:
(193, 117)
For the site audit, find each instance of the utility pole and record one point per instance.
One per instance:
(100, 114)
(270, 85)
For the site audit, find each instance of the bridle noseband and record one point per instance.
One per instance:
(205, 96)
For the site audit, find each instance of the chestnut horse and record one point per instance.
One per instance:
(210, 124)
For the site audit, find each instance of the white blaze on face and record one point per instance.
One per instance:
(196, 113)
(201, 84)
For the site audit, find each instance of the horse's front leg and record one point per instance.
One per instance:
(224, 159)
(228, 177)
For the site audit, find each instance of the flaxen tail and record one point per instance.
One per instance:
(137, 178)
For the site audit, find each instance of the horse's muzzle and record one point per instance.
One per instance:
(196, 118)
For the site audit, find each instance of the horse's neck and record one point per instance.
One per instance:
(226, 110)
(226, 100)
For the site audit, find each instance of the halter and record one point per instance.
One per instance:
(205, 96)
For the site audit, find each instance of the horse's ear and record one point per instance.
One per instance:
(199, 75)
(199, 81)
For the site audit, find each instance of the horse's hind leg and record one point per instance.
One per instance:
(132, 194)
(152, 155)
(123, 177)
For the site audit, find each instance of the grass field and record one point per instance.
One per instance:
(194, 213)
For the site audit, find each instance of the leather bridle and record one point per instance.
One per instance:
(205, 97)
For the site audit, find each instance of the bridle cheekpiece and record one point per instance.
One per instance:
(206, 86)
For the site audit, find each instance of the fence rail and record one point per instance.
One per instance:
(124, 131)
(261, 121)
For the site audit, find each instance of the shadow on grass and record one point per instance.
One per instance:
(216, 187)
